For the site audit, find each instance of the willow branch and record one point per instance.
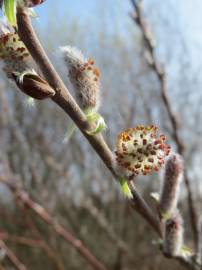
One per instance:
(138, 18)
(64, 100)
(12, 257)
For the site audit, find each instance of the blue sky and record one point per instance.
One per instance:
(186, 12)
(177, 26)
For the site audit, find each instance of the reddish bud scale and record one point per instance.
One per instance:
(34, 86)
(140, 151)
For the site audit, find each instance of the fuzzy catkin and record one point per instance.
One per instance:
(173, 235)
(18, 64)
(84, 77)
(171, 186)
(140, 150)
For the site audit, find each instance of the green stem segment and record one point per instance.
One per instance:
(125, 188)
(10, 11)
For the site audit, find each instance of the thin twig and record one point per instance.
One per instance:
(104, 224)
(67, 103)
(37, 243)
(138, 18)
(1, 267)
(12, 257)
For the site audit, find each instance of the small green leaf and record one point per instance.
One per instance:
(186, 251)
(70, 131)
(100, 123)
(125, 188)
(10, 11)
(165, 216)
(92, 116)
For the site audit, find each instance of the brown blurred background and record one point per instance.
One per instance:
(69, 179)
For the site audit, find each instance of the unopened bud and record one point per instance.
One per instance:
(170, 190)
(173, 235)
(34, 86)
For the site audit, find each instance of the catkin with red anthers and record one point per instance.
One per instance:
(18, 65)
(140, 150)
(171, 186)
(173, 235)
(13, 52)
(84, 77)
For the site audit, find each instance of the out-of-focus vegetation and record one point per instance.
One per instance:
(69, 179)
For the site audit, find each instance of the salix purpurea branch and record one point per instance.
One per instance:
(12, 257)
(26, 200)
(63, 98)
(139, 19)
